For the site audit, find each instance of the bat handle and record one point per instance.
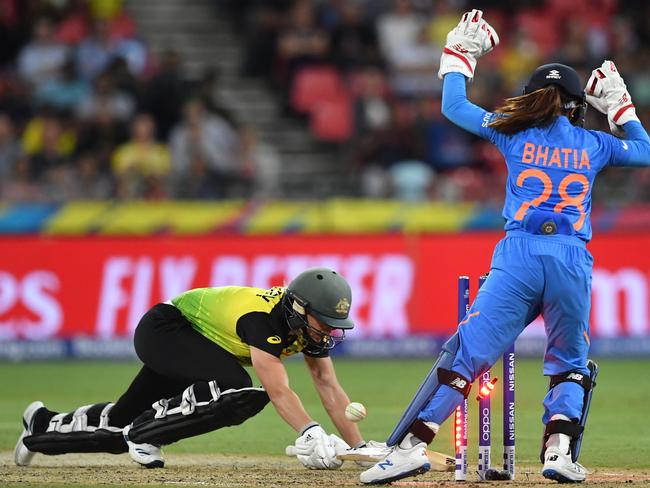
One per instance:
(291, 451)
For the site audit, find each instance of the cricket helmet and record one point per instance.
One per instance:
(569, 82)
(325, 294)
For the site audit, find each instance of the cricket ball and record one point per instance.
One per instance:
(355, 412)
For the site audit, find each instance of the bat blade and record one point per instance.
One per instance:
(439, 462)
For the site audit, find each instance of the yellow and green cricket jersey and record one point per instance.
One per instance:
(237, 317)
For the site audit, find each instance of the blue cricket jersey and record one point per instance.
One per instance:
(552, 168)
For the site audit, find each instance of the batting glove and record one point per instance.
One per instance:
(606, 92)
(469, 40)
(316, 450)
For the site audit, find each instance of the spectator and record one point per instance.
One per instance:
(205, 146)
(91, 182)
(262, 163)
(95, 51)
(100, 135)
(353, 41)
(119, 104)
(415, 67)
(398, 30)
(47, 128)
(141, 165)
(164, 94)
(260, 46)
(54, 151)
(207, 92)
(301, 43)
(99, 49)
(42, 58)
(66, 92)
(371, 107)
(382, 148)
(20, 187)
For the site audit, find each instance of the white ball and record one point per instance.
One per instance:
(355, 412)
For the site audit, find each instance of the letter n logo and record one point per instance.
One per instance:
(385, 464)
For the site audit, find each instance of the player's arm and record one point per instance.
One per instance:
(274, 378)
(636, 150)
(472, 38)
(458, 109)
(333, 397)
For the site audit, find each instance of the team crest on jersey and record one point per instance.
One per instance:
(274, 340)
(343, 306)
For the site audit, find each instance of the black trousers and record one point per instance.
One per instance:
(174, 356)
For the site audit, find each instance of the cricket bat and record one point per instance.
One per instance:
(439, 461)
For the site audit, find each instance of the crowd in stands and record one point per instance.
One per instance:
(86, 111)
(370, 67)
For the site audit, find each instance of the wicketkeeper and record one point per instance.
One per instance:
(542, 265)
(194, 349)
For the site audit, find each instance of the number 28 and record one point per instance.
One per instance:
(576, 201)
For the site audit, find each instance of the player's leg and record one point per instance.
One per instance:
(91, 428)
(566, 315)
(506, 303)
(218, 390)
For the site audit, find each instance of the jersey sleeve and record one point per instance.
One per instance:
(254, 330)
(633, 151)
(459, 110)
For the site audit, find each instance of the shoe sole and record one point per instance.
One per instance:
(154, 464)
(414, 472)
(552, 474)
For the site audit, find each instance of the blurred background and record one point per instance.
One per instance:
(151, 146)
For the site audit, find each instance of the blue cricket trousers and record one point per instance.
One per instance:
(530, 274)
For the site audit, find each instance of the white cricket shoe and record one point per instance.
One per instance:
(559, 467)
(147, 455)
(400, 463)
(22, 455)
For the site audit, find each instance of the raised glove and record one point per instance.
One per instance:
(606, 92)
(469, 40)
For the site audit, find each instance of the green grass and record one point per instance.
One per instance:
(618, 432)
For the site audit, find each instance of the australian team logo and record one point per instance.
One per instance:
(343, 306)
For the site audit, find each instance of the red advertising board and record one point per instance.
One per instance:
(99, 287)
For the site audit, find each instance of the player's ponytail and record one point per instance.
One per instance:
(537, 109)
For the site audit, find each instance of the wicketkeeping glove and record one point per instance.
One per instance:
(606, 92)
(469, 40)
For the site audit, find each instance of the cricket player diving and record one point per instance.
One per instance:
(194, 349)
(542, 265)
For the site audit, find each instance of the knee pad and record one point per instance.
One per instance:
(86, 429)
(201, 408)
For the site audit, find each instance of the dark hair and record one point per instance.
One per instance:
(537, 109)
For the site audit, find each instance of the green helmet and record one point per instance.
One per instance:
(324, 294)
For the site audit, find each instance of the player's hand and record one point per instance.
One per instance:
(316, 450)
(469, 40)
(606, 92)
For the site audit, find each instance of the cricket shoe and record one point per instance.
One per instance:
(400, 463)
(147, 455)
(22, 455)
(559, 467)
